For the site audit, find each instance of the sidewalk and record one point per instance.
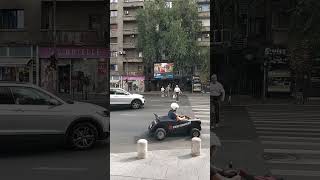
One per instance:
(175, 164)
(183, 93)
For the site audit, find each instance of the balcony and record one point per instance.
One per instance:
(130, 31)
(204, 43)
(113, 33)
(129, 18)
(133, 59)
(113, 6)
(204, 14)
(67, 37)
(129, 45)
(133, 3)
(134, 73)
(205, 29)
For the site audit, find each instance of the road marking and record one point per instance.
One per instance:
(299, 161)
(286, 122)
(292, 151)
(290, 143)
(291, 138)
(202, 113)
(289, 129)
(198, 115)
(59, 169)
(282, 125)
(305, 173)
(127, 114)
(289, 133)
(200, 109)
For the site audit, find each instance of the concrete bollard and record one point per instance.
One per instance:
(195, 146)
(142, 148)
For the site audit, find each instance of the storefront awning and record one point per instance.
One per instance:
(14, 62)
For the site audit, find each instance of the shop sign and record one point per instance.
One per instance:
(276, 55)
(74, 52)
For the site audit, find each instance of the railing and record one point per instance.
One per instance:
(129, 18)
(73, 36)
(129, 45)
(205, 28)
(130, 31)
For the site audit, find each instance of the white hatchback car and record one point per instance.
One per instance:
(27, 109)
(120, 96)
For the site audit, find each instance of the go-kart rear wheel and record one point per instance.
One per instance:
(195, 132)
(160, 134)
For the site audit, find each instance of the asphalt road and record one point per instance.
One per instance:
(39, 161)
(128, 126)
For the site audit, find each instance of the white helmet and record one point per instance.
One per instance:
(174, 106)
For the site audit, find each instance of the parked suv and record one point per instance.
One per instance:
(120, 96)
(26, 109)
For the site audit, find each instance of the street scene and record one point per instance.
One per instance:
(265, 88)
(54, 84)
(128, 126)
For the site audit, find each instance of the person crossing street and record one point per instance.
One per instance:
(217, 95)
(177, 92)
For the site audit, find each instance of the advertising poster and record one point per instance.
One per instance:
(163, 70)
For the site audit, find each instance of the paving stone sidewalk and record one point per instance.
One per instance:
(177, 164)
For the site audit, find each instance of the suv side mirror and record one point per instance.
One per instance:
(53, 102)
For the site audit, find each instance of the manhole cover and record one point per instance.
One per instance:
(279, 157)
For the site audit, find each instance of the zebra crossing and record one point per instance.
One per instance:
(201, 109)
(290, 137)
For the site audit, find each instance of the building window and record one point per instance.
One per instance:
(11, 19)
(113, 40)
(113, 1)
(114, 54)
(139, 68)
(94, 22)
(126, 12)
(204, 8)
(114, 67)
(113, 26)
(114, 13)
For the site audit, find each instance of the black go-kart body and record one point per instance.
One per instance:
(163, 126)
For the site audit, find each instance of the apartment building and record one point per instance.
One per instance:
(70, 33)
(127, 69)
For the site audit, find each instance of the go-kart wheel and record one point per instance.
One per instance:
(195, 132)
(160, 134)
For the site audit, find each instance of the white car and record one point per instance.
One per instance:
(120, 96)
(26, 109)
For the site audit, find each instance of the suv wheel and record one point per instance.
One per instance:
(136, 104)
(83, 136)
(160, 134)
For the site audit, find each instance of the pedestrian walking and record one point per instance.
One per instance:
(217, 95)
(168, 90)
(177, 92)
(162, 91)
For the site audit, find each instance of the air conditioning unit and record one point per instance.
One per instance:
(133, 36)
(207, 35)
(126, 12)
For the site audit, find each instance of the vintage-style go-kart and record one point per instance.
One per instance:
(163, 126)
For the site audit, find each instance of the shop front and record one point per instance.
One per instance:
(116, 81)
(16, 64)
(76, 69)
(133, 83)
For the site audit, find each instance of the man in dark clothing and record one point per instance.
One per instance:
(172, 113)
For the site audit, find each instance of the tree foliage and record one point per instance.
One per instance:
(171, 32)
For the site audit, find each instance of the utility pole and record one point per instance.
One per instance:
(55, 39)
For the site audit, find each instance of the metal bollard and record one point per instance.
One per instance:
(142, 148)
(195, 146)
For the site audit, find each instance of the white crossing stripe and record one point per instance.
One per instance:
(201, 109)
(198, 115)
(290, 129)
(202, 112)
(296, 161)
(291, 143)
(305, 173)
(293, 151)
(290, 138)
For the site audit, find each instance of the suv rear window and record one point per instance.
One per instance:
(6, 96)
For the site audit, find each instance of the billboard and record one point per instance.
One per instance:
(163, 70)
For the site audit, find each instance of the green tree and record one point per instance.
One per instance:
(169, 34)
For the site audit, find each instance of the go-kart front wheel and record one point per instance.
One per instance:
(195, 132)
(160, 134)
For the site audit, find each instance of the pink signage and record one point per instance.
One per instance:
(133, 78)
(74, 52)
